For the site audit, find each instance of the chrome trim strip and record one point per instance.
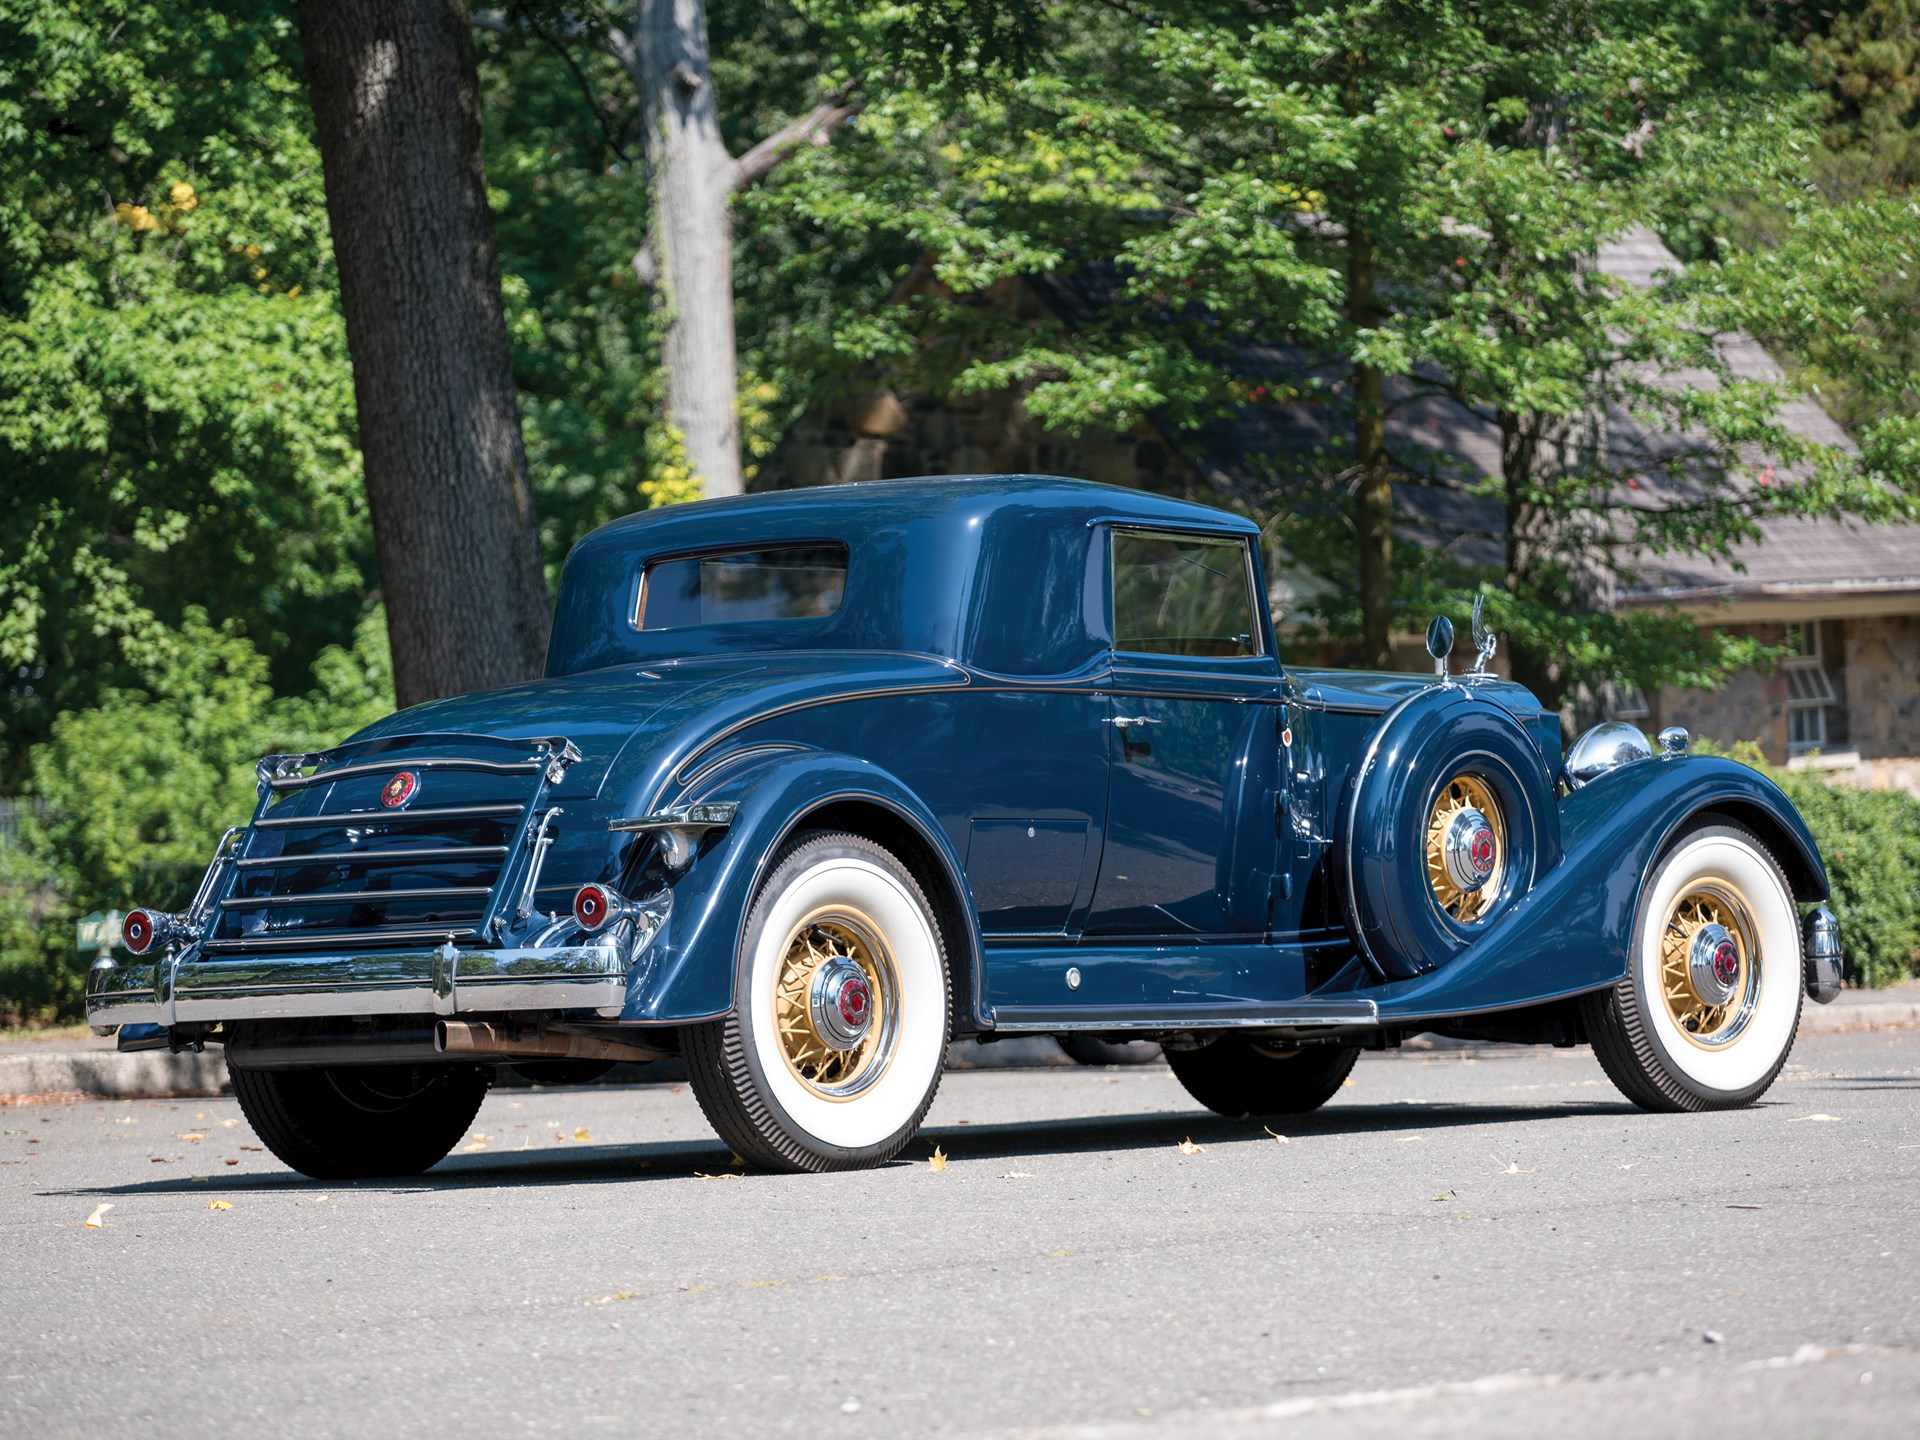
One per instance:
(369, 857)
(676, 774)
(337, 937)
(404, 761)
(386, 817)
(321, 899)
(1308, 1014)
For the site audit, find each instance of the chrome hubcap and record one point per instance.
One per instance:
(841, 1003)
(1470, 850)
(1713, 964)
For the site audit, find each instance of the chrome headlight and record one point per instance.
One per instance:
(1603, 748)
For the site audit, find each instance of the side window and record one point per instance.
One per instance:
(1182, 595)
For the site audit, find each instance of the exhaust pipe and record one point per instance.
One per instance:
(480, 1038)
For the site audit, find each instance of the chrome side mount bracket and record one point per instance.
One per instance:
(680, 828)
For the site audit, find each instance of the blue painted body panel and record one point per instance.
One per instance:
(964, 688)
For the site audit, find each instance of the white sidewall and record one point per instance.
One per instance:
(892, 1101)
(1753, 1054)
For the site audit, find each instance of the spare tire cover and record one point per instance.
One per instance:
(1423, 743)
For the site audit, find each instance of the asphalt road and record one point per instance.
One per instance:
(1485, 1243)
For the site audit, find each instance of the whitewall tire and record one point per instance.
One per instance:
(838, 1036)
(1707, 1013)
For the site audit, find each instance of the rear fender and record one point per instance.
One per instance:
(692, 971)
(1570, 933)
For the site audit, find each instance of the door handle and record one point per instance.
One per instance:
(1129, 722)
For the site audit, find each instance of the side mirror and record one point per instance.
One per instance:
(1440, 643)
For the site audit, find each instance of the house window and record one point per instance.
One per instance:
(1809, 690)
(1630, 703)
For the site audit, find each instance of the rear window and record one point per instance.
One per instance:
(788, 582)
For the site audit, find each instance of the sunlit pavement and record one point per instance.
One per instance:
(1485, 1242)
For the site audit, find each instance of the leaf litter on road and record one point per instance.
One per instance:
(938, 1160)
(1187, 1147)
(98, 1219)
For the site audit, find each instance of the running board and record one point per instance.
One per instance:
(1221, 1015)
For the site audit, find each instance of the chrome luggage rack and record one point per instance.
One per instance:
(516, 864)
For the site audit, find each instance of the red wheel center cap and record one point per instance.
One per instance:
(1480, 851)
(1726, 962)
(854, 999)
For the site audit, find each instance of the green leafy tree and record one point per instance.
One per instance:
(176, 418)
(1409, 197)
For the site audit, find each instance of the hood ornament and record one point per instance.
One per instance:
(1484, 640)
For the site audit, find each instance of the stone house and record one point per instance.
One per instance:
(1844, 599)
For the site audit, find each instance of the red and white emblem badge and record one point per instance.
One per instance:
(399, 789)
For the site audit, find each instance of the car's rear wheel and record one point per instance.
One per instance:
(1239, 1075)
(355, 1122)
(838, 1035)
(1707, 1013)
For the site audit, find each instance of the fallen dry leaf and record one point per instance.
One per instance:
(98, 1219)
(469, 1149)
(1732, 1205)
(219, 1205)
(232, 1160)
(939, 1159)
(228, 1124)
(1344, 1084)
(581, 1133)
(1278, 1138)
(258, 1148)
(320, 1199)
(1822, 1115)
(1513, 1168)
(1443, 1195)
(483, 1137)
(193, 1135)
(1187, 1147)
(703, 1175)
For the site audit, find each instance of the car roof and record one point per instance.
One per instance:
(988, 566)
(880, 502)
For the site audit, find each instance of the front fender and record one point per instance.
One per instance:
(1570, 933)
(693, 971)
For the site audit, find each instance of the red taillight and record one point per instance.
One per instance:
(137, 931)
(592, 905)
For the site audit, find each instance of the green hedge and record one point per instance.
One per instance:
(1870, 840)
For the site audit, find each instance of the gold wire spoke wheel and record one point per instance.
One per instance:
(1462, 793)
(834, 1065)
(1709, 1009)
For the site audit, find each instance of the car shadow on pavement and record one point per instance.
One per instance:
(590, 1163)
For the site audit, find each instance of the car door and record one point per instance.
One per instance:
(1194, 717)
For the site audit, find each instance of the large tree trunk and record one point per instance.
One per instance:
(1375, 496)
(396, 101)
(1556, 560)
(693, 176)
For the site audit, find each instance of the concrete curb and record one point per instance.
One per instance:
(45, 1069)
(29, 1072)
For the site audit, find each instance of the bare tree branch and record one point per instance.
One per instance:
(816, 127)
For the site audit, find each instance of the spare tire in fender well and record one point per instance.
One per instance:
(1422, 745)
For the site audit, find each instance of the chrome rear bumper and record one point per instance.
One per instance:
(189, 987)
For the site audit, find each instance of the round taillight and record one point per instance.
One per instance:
(591, 906)
(137, 931)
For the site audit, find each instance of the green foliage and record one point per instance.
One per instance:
(1870, 840)
(1409, 188)
(140, 785)
(176, 418)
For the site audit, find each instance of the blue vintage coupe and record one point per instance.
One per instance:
(817, 781)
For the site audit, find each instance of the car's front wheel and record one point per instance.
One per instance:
(1239, 1075)
(1711, 1000)
(838, 1034)
(355, 1122)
